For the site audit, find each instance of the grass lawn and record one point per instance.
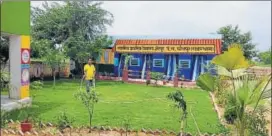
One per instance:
(146, 106)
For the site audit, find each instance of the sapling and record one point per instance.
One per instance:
(88, 100)
(178, 98)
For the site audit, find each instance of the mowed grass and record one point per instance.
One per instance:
(145, 106)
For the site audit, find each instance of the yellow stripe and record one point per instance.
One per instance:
(25, 41)
(24, 91)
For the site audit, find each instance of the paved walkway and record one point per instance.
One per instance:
(10, 104)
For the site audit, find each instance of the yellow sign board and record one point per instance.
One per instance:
(208, 49)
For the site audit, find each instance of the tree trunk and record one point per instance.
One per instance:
(181, 125)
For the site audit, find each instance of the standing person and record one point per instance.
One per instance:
(89, 73)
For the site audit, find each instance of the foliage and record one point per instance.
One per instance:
(156, 76)
(206, 82)
(127, 59)
(4, 76)
(256, 122)
(4, 118)
(4, 49)
(76, 25)
(178, 98)
(88, 100)
(232, 59)
(249, 94)
(232, 34)
(64, 121)
(36, 85)
(126, 123)
(230, 114)
(26, 112)
(265, 57)
(54, 58)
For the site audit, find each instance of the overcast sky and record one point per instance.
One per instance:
(189, 18)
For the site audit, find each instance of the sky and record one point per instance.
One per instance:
(186, 18)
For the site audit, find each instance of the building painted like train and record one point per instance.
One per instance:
(186, 56)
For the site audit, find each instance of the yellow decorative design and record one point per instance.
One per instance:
(24, 91)
(25, 42)
(207, 49)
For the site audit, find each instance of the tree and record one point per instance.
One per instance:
(178, 98)
(4, 49)
(265, 57)
(126, 60)
(53, 58)
(88, 100)
(77, 25)
(233, 35)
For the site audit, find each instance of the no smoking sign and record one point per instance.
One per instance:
(25, 56)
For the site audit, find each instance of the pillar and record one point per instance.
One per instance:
(19, 54)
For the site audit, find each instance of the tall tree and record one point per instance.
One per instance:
(265, 57)
(79, 26)
(233, 35)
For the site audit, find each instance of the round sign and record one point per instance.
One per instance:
(25, 75)
(25, 56)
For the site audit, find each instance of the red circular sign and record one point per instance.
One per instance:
(25, 55)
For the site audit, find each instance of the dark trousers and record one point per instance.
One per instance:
(89, 83)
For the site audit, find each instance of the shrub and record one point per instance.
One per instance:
(156, 76)
(230, 110)
(36, 85)
(256, 122)
(64, 121)
(4, 118)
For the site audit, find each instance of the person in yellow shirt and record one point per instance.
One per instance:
(89, 74)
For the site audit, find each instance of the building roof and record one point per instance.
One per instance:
(165, 37)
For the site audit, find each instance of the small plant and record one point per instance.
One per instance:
(178, 98)
(256, 122)
(64, 121)
(27, 115)
(126, 124)
(156, 76)
(4, 118)
(36, 85)
(88, 100)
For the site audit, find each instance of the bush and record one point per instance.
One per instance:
(4, 118)
(256, 122)
(63, 121)
(156, 76)
(230, 110)
(36, 85)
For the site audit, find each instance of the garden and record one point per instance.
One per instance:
(146, 107)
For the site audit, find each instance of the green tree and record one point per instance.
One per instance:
(232, 34)
(77, 25)
(265, 57)
(54, 58)
(4, 49)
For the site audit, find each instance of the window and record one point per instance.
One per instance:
(135, 62)
(184, 63)
(158, 63)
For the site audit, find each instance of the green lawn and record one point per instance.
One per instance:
(146, 106)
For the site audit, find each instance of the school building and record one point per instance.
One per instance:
(187, 57)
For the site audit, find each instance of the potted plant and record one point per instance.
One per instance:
(26, 124)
